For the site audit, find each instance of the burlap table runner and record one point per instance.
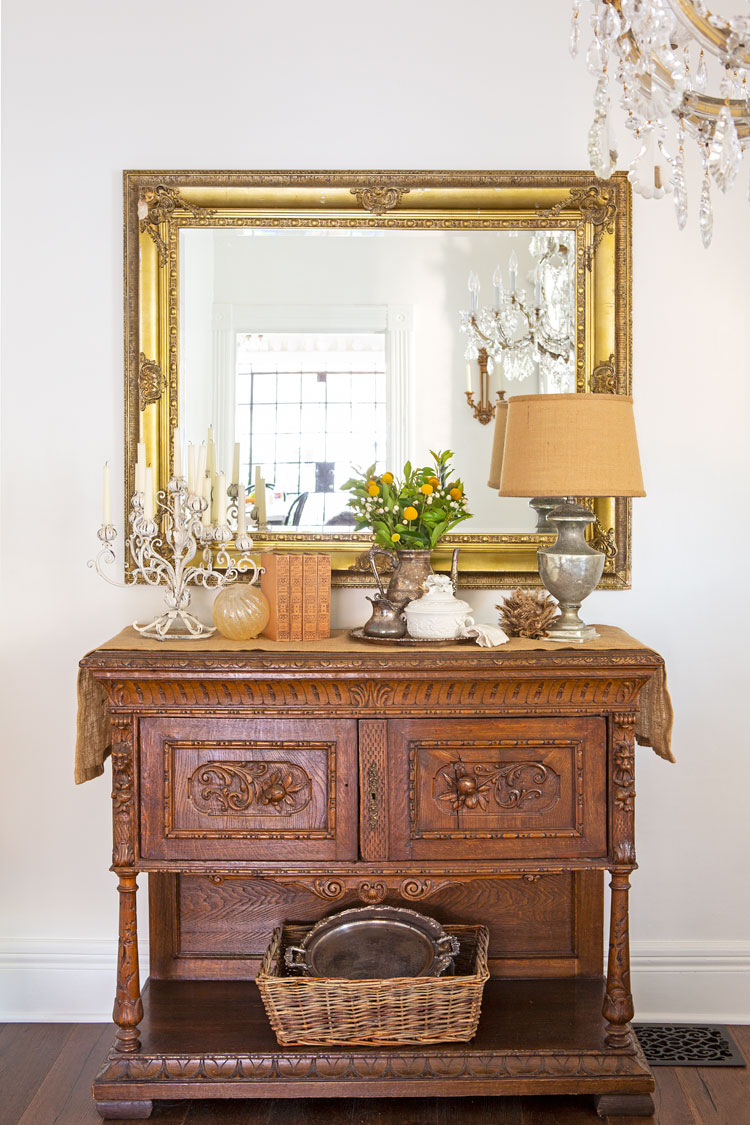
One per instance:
(653, 724)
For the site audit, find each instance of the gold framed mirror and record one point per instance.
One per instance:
(252, 299)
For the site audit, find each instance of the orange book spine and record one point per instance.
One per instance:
(324, 596)
(295, 597)
(310, 598)
(274, 583)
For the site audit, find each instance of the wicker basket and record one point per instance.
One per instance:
(403, 1010)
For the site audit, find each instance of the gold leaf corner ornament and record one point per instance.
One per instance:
(604, 541)
(598, 206)
(379, 200)
(604, 378)
(157, 205)
(151, 381)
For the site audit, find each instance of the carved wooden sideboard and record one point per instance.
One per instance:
(476, 785)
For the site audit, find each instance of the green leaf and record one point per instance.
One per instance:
(438, 530)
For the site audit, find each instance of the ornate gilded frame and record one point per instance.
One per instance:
(158, 204)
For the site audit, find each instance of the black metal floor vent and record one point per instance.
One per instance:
(688, 1044)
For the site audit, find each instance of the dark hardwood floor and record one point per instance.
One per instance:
(46, 1072)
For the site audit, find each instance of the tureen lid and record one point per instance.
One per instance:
(438, 597)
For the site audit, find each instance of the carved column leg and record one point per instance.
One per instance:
(128, 1009)
(618, 1001)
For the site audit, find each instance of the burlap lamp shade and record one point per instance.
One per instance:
(570, 445)
(498, 441)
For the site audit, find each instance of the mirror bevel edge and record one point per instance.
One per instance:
(600, 211)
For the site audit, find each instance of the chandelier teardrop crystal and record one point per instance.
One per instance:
(682, 71)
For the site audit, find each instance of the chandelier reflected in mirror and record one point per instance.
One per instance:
(527, 332)
(681, 73)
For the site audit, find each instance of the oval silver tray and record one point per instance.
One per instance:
(374, 942)
(359, 635)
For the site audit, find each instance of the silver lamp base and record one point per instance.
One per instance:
(570, 569)
(543, 505)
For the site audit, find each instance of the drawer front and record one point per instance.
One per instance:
(262, 790)
(497, 788)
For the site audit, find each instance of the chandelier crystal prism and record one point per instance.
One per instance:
(682, 73)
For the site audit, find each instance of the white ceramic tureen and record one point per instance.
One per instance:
(438, 615)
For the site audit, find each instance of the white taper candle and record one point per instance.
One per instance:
(191, 468)
(221, 498)
(106, 497)
(148, 493)
(177, 452)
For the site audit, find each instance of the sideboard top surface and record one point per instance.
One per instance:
(615, 654)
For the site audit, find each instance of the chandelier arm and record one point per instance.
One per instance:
(715, 39)
(695, 108)
(701, 109)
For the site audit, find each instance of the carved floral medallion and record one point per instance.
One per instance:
(514, 786)
(264, 788)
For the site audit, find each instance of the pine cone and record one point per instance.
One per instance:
(527, 613)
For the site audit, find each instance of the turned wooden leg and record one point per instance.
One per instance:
(124, 1111)
(128, 1009)
(618, 1001)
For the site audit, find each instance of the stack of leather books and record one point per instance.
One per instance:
(298, 588)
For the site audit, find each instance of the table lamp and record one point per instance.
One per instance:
(542, 505)
(570, 445)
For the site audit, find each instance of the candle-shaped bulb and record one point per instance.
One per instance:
(106, 497)
(497, 285)
(513, 271)
(236, 464)
(473, 291)
(537, 288)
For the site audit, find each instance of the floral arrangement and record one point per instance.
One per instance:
(412, 513)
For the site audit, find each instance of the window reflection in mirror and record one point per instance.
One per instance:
(322, 349)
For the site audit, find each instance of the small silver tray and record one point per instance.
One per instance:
(374, 942)
(360, 635)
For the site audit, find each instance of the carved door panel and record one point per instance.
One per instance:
(248, 789)
(497, 788)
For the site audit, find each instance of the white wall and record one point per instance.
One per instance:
(91, 89)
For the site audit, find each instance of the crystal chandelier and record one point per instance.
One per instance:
(665, 55)
(526, 332)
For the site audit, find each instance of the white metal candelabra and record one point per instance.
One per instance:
(164, 544)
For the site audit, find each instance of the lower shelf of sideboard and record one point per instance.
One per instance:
(202, 1039)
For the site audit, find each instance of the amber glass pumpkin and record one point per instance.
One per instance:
(241, 611)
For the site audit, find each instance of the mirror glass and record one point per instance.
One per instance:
(322, 349)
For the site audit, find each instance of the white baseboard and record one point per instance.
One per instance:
(46, 980)
(691, 982)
